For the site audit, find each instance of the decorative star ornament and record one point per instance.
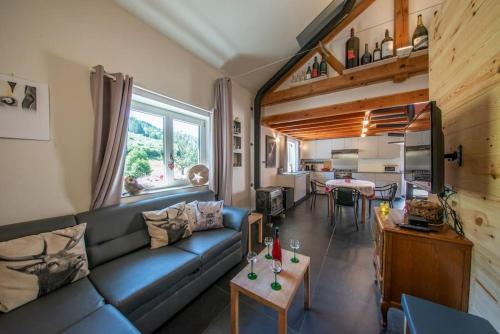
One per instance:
(197, 177)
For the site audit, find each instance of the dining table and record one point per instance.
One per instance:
(366, 189)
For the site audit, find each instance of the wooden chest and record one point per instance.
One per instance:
(433, 266)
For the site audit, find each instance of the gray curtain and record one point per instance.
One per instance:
(223, 141)
(111, 102)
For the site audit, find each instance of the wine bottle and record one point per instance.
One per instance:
(387, 46)
(366, 58)
(323, 68)
(315, 68)
(308, 73)
(352, 51)
(420, 38)
(377, 53)
(276, 253)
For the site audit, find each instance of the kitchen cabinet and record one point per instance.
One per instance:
(307, 149)
(378, 147)
(323, 149)
(297, 181)
(351, 143)
(338, 144)
(386, 150)
(368, 147)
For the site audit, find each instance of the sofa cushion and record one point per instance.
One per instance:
(105, 320)
(55, 311)
(118, 230)
(208, 215)
(168, 225)
(35, 265)
(134, 279)
(209, 244)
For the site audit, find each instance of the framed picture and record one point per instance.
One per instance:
(271, 147)
(24, 109)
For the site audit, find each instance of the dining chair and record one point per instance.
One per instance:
(385, 193)
(315, 184)
(343, 196)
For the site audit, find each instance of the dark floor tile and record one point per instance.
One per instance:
(198, 315)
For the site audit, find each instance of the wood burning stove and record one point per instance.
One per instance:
(269, 201)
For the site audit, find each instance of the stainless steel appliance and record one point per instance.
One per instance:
(344, 159)
(391, 168)
(269, 201)
(343, 173)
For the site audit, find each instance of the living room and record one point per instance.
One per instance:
(154, 152)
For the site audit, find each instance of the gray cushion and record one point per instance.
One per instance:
(134, 279)
(105, 320)
(55, 311)
(14, 231)
(118, 230)
(209, 244)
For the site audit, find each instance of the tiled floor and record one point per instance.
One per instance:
(344, 294)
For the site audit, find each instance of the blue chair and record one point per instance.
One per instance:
(425, 317)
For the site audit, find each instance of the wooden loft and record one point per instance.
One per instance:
(345, 119)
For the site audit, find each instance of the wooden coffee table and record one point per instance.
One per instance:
(290, 278)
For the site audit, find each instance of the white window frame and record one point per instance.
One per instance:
(145, 101)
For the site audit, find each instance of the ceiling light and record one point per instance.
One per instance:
(364, 130)
(363, 135)
(365, 122)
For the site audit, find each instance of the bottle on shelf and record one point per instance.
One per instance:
(366, 58)
(276, 253)
(420, 38)
(323, 68)
(308, 73)
(387, 46)
(315, 68)
(377, 53)
(352, 51)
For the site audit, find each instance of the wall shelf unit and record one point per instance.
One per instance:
(237, 154)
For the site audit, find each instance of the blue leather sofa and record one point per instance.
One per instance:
(130, 288)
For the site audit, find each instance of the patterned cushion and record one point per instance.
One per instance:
(208, 215)
(35, 265)
(168, 225)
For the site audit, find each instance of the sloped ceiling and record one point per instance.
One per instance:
(235, 36)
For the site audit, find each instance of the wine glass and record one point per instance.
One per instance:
(276, 268)
(294, 244)
(269, 242)
(251, 258)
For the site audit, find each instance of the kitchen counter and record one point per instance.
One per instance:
(295, 180)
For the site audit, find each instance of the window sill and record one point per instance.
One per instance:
(127, 198)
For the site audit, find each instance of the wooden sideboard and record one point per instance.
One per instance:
(433, 266)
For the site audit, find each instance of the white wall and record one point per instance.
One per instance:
(56, 42)
(267, 175)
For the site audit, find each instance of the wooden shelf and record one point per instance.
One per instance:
(396, 69)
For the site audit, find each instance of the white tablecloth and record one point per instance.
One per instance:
(365, 187)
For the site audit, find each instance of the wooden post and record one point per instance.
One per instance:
(234, 310)
(401, 30)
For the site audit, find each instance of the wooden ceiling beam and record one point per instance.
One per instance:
(331, 59)
(319, 120)
(401, 27)
(350, 107)
(363, 77)
(354, 13)
(336, 129)
(355, 121)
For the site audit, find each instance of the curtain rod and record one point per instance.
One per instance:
(112, 77)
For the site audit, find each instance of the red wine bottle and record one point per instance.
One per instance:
(315, 68)
(352, 51)
(276, 245)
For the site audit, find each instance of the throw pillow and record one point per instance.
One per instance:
(209, 215)
(35, 265)
(191, 209)
(168, 225)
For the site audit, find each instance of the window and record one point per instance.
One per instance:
(163, 141)
(293, 155)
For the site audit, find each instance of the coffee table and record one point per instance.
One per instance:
(260, 289)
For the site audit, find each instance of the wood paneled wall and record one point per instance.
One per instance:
(464, 80)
